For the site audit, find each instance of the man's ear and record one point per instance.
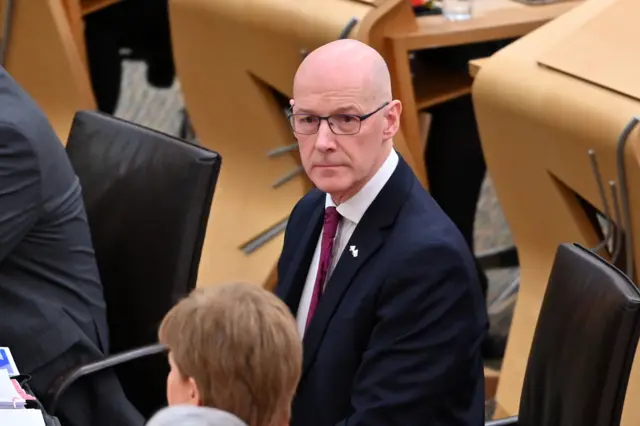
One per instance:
(392, 119)
(194, 394)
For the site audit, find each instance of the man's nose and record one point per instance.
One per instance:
(326, 139)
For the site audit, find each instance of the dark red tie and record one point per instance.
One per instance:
(331, 220)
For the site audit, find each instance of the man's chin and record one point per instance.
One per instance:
(331, 186)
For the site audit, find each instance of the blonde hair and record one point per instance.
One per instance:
(240, 344)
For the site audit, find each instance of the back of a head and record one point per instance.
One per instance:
(187, 415)
(240, 344)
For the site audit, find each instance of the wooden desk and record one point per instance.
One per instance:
(537, 126)
(493, 20)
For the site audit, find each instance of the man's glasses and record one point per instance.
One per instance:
(340, 124)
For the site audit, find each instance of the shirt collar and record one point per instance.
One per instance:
(354, 208)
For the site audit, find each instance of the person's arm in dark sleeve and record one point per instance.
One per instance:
(20, 188)
(423, 364)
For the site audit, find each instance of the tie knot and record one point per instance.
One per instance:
(331, 220)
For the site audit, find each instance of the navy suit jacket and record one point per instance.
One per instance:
(396, 337)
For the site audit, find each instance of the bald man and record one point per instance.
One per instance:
(383, 286)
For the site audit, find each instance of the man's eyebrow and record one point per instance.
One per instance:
(302, 111)
(349, 109)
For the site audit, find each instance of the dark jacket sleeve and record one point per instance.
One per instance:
(20, 189)
(423, 364)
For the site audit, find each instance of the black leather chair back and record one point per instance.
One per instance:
(148, 197)
(584, 344)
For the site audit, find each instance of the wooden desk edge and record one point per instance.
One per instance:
(435, 31)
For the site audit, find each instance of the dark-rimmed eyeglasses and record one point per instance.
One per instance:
(340, 124)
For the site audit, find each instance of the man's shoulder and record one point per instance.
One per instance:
(27, 136)
(420, 210)
(312, 197)
(21, 115)
(422, 227)
(427, 249)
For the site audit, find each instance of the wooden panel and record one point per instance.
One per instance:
(537, 126)
(603, 51)
(476, 65)
(73, 10)
(491, 378)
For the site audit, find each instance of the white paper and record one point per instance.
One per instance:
(22, 417)
(9, 397)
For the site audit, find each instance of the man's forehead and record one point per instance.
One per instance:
(336, 91)
(330, 79)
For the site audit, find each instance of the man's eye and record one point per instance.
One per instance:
(307, 119)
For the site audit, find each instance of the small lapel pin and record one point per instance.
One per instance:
(354, 251)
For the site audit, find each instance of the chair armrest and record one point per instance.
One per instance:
(507, 421)
(63, 382)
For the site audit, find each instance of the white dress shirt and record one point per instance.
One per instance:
(351, 211)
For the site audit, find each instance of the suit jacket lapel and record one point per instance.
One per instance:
(367, 239)
(292, 284)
